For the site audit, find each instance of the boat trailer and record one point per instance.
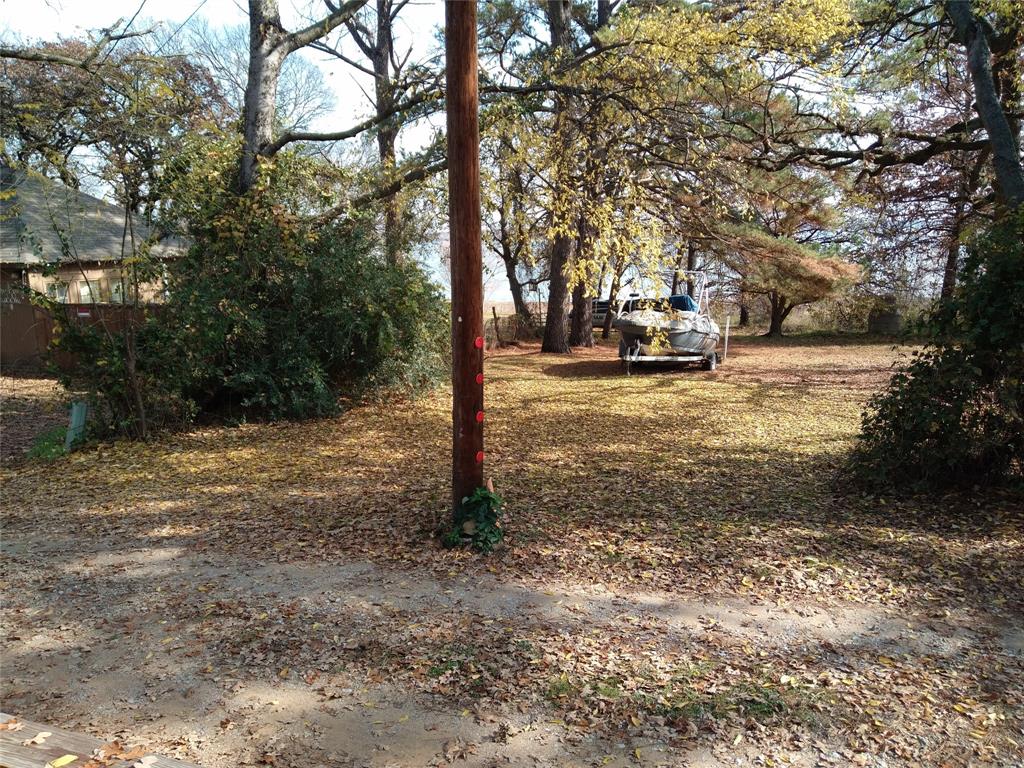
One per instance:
(632, 355)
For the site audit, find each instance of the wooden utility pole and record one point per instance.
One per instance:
(464, 243)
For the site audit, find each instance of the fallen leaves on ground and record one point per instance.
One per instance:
(679, 571)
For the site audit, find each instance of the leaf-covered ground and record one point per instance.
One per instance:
(29, 408)
(681, 586)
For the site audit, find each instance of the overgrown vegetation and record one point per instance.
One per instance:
(954, 417)
(268, 315)
(476, 523)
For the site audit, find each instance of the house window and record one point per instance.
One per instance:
(88, 291)
(117, 291)
(57, 291)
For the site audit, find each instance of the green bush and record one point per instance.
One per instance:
(954, 417)
(283, 332)
(269, 315)
(477, 522)
(129, 376)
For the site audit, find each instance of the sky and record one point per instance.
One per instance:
(27, 21)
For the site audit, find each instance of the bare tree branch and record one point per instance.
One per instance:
(86, 63)
(430, 97)
(338, 16)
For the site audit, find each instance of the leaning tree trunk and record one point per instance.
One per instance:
(1006, 161)
(515, 287)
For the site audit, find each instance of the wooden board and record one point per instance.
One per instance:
(14, 753)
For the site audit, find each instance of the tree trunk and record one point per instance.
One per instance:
(600, 279)
(556, 331)
(953, 253)
(744, 316)
(387, 136)
(131, 373)
(386, 140)
(581, 328)
(581, 332)
(556, 323)
(516, 289)
(780, 310)
(1006, 162)
(677, 265)
(509, 250)
(266, 56)
(613, 293)
(269, 45)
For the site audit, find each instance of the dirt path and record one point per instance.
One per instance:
(237, 661)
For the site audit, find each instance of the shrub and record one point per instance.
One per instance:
(130, 377)
(290, 326)
(269, 315)
(477, 522)
(954, 417)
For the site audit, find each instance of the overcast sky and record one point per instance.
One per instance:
(27, 21)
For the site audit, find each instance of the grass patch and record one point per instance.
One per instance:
(452, 658)
(746, 700)
(560, 688)
(49, 445)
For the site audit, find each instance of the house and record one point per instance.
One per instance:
(67, 244)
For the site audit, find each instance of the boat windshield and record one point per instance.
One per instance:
(683, 303)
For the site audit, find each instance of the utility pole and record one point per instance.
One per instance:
(464, 243)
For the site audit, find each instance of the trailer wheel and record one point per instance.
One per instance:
(711, 362)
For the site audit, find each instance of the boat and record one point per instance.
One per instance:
(677, 328)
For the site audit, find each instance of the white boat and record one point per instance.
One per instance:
(684, 333)
(677, 328)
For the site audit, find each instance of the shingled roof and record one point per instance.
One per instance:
(33, 210)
